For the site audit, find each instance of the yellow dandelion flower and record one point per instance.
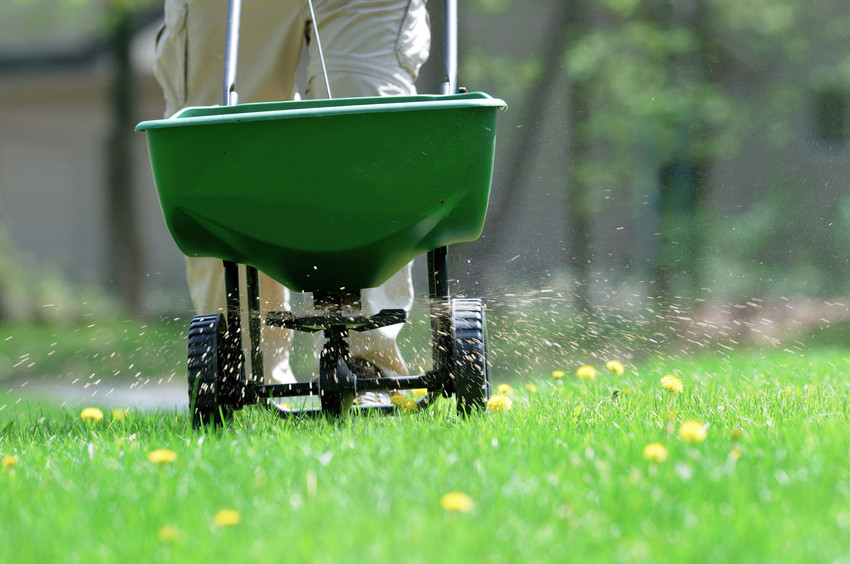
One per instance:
(558, 374)
(504, 390)
(168, 533)
(10, 461)
(692, 431)
(119, 414)
(403, 403)
(162, 456)
(91, 415)
(457, 501)
(734, 454)
(531, 388)
(419, 393)
(499, 404)
(672, 384)
(227, 518)
(615, 367)
(586, 372)
(655, 452)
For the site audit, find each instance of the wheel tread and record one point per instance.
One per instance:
(206, 346)
(470, 370)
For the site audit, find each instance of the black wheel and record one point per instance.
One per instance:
(469, 355)
(214, 368)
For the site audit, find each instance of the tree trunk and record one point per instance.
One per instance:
(124, 250)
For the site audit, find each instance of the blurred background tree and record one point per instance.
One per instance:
(663, 98)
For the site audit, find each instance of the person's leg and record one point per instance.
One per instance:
(372, 49)
(189, 66)
(189, 61)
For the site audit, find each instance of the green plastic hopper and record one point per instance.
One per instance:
(326, 194)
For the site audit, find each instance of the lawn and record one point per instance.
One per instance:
(563, 476)
(90, 348)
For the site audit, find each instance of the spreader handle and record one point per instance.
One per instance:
(449, 85)
(231, 48)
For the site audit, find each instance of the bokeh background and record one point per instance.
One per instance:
(664, 167)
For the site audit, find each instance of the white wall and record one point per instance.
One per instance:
(53, 130)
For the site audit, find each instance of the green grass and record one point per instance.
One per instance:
(89, 347)
(561, 477)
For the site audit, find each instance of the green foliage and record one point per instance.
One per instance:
(712, 83)
(28, 22)
(648, 92)
(93, 348)
(492, 6)
(765, 248)
(512, 77)
(622, 8)
(31, 290)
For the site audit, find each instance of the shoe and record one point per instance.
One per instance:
(362, 368)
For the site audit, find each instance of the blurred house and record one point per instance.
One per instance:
(57, 78)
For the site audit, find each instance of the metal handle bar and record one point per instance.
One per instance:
(231, 49)
(449, 85)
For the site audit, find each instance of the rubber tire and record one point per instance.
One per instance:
(213, 371)
(470, 369)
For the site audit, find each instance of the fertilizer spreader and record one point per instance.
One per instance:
(251, 184)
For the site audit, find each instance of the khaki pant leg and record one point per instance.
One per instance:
(370, 48)
(189, 61)
(190, 66)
